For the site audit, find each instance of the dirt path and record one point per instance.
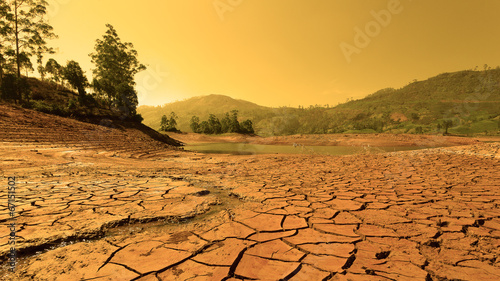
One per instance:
(163, 215)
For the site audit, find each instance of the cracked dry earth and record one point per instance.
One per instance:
(89, 214)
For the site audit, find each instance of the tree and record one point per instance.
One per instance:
(26, 63)
(173, 122)
(234, 125)
(225, 123)
(126, 101)
(28, 29)
(53, 68)
(214, 124)
(8, 61)
(169, 124)
(247, 127)
(116, 66)
(73, 73)
(205, 128)
(447, 124)
(39, 60)
(195, 124)
(4, 31)
(164, 123)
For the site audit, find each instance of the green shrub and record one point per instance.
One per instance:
(41, 106)
(49, 108)
(72, 104)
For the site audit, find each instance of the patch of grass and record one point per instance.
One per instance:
(50, 108)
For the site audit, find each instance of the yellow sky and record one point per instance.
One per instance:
(283, 52)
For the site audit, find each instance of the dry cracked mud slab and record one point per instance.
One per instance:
(64, 211)
(421, 215)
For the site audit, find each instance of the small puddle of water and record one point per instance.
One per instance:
(249, 149)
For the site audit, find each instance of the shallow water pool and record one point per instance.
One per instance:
(249, 149)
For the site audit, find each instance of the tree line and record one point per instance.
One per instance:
(24, 32)
(228, 124)
(169, 124)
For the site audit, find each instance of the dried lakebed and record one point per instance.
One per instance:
(97, 215)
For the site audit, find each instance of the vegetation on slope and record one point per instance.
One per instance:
(465, 103)
(24, 32)
(201, 107)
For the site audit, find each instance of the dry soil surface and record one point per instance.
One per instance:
(126, 213)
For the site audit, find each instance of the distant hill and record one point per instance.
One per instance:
(200, 106)
(457, 87)
(470, 100)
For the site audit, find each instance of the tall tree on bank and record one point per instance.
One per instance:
(73, 73)
(4, 31)
(169, 125)
(30, 28)
(195, 124)
(116, 66)
(26, 30)
(53, 68)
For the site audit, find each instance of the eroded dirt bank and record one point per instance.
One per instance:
(169, 215)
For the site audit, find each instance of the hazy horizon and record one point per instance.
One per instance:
(283, 53)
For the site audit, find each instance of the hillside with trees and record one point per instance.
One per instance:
(202, 107)
(108, 99)
(24, 33)
(462, 103)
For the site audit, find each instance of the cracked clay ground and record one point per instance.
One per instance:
(89, 214)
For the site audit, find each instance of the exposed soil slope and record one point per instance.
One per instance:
(24, 125)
